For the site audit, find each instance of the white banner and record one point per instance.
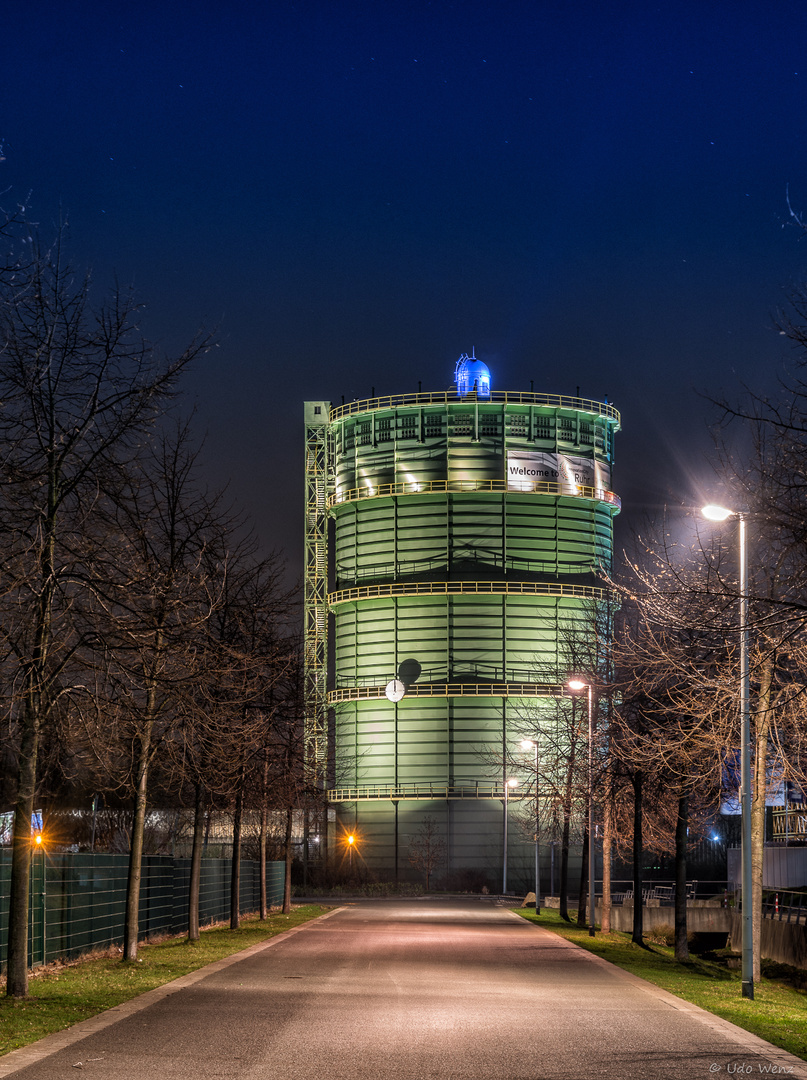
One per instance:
(526, 467)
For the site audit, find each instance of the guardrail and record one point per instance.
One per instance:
(497, 397)
(492, 689)
(664, 891)
(509, 487)
(457, 588)
(784, 906)
(471, 790)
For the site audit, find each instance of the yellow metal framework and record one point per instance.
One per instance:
(497, 397)
(455, 588)
(510, 487)
(441, 690)
(315, 650)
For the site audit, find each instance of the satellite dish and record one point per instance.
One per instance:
(395, 690)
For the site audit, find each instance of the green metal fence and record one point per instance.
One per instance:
(78, 902)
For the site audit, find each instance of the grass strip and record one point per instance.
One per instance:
(63, 994)
(777, 1013)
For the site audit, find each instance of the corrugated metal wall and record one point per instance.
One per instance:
(422, 499)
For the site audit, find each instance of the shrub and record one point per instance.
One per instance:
(663, 934)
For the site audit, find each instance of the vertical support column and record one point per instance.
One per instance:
(318, 461)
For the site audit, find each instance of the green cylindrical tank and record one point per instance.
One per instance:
(468, 537)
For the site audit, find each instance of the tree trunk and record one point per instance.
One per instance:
(263, 837)
(235, 869)
(17, 967)
(759, 788)
(196, 864)
(35, 706)
(607, 840)
(131, 924)
(563, 890)
(261, 864)
(583, 894)
(638, 927)
(567, 815)
(681, 942)
(287, 878)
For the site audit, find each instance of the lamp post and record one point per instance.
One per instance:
(720, 513)
(508, 784)
(530, 744)
(578, 684)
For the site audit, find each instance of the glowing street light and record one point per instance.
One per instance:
(720, 513)
(530, 744)
(578, 684)
(717, 513)
(508, 784)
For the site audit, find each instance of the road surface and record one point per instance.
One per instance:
(405, 989)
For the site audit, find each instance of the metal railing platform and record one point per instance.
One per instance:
(489, 487)
(441, 690)
(482, 789)
(460, 588)
(497, 397)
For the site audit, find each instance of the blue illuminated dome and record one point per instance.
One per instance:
(472, 376)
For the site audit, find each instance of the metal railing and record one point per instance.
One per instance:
(441, 690)
(497, 397)
(455, 588)
(509, 487)
(478, 789)
(664, 891)
(784, 905)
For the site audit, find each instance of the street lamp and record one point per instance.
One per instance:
(530, 744)
(578, 684)
(720, 513)
(508, 784)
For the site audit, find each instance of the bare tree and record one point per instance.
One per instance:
(427, 849)
(687, 657)
(252, 652)
(79, 387)
(148, 615)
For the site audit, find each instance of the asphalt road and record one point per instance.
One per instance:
(414, 989)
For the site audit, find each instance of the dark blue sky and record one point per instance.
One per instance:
(591, 195)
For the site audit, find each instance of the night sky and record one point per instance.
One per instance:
(591, 195)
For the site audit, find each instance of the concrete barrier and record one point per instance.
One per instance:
(782, 941)
(700, 918)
